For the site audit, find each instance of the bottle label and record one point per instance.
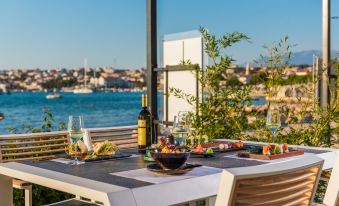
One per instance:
(141, 132)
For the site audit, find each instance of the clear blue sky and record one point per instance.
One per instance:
(60, 33)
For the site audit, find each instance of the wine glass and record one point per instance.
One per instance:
(163, 129)
(181, 127)
(183, 120)
(273, 122)
(76, 132)
(175, 127)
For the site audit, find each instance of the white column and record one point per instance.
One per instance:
(6, 191)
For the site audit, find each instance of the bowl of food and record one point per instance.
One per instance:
(170, 157)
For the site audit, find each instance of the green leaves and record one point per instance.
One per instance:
(211, 44)
(221, 109)
(189, 98)
(229, 40)
(318, 130)
(214, 45)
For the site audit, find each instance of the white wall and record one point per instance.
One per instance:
(174, 51)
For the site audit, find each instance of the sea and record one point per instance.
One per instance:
(98, 109)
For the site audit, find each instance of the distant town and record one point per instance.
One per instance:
(111, 79)
(106, 78)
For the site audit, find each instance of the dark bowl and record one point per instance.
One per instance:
(170, 161)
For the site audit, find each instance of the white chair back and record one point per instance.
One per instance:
(332, 191)
(287, 183)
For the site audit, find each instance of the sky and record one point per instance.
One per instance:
(61, 33)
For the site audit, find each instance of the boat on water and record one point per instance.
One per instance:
(54, 96)
(84, 89)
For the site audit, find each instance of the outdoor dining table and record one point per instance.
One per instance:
(127, 182)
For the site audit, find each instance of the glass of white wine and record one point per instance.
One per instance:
(273, 122)
(183, 117)
(181, 127)
(76, 132)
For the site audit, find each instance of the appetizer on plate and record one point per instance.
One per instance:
(203, 150)
(273, 149)
(99, 150)
(270, 152)
(105, 148)
(231, 145)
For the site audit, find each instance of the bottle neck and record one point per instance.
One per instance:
(144, 101)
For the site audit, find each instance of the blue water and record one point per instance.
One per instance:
(98, 109)
(259, 101)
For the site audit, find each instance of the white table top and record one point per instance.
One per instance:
(157, 194)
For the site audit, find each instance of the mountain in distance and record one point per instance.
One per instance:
(306, 57)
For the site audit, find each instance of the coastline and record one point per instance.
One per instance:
(70, 90)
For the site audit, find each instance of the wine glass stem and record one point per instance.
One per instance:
(76, 161)
(76, 156)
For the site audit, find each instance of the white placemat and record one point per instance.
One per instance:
(158, 178)
(62, 160)
(272, 161)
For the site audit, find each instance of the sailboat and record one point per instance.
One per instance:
(84, 90)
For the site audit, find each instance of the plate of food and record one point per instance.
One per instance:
(202, 151)
(270, 152)
(101, 151)
(229, 146)
(208, 149)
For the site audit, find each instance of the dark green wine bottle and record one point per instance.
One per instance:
(144, 127)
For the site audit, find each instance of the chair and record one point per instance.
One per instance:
(287, 183)
(37, 146)
(124, 137)
(332, 191)
(42, 146)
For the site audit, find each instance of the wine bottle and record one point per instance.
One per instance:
(144, 127)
